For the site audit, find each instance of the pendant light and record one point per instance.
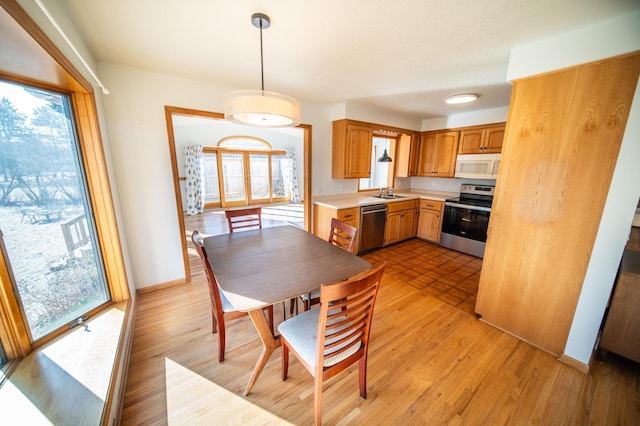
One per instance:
(385, 157)
(259, 107)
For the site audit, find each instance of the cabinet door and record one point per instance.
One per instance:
(427, 155)
(493, 138)
(446, 153)
(407, 224)
(407, 155)
(358, 151)
(472, 141)
(429, 224)
(392, 228)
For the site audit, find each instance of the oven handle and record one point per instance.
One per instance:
(468, 207)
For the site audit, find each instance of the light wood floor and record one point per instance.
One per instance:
(429, 363)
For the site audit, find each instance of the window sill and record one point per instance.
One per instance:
(67, 381)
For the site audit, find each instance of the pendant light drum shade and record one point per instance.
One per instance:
(261, 108)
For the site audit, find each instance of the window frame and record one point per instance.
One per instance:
(53, 71)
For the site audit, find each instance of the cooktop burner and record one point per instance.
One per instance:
(474, 195)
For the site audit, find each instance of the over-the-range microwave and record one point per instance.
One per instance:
(477, 166)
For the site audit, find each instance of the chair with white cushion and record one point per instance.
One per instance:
(342, 235)
(330, 339)
(221, 309)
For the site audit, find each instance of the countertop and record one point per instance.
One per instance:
(345, 201)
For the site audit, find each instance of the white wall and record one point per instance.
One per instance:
(600, 41)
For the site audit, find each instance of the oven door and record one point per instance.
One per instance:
(466, 221)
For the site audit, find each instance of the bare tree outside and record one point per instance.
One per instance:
(45, 217)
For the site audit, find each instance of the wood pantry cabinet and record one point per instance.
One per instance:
(322, 216)
(430, 220)
(437, 155)
(402, 221)
(351, 151)
(481, 140)
(559, 155)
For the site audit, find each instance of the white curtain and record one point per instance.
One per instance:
(194, 173)
(291, 177)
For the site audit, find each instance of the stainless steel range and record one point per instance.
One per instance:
(466, 219)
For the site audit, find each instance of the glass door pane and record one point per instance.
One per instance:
(211, 182)
(48, 232)
(234, 178)
(259, 168)
(278, 182)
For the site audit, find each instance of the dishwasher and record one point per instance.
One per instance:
(373, 219)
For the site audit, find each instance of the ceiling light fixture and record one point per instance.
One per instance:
(461, 99)
(259, 107)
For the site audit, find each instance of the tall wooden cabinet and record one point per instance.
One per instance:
(561, 146)
(351, 152)
(437, 154)
(407, 155)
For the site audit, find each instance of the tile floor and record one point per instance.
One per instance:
(448, 275)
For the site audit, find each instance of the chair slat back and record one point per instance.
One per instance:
(244, 219)
(342, 235)
(214, 291)
(346, 310)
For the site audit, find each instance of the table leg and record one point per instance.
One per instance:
(269, 345)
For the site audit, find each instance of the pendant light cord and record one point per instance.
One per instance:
(261, 58)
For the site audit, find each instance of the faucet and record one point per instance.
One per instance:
(385, 191)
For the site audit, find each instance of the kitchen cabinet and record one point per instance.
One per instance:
(351, 152)
(402, 221)
(437, 154)
(322, 216)
(481, 140)
(430, 220)
(541, 236)
(406, 154)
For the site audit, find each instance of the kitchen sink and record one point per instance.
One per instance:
(390, 197)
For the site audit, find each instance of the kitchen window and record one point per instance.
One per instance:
(382, 173)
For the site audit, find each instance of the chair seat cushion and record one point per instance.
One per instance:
(315, 294)
(226, 305)
(301, 332)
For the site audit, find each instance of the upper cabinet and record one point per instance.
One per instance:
(351, 150)
(437, 154)
(407, 155)
(482, 140)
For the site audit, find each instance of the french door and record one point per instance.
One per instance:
(240, 178)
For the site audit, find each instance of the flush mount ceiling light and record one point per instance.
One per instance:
(461, 99)
(259, 107)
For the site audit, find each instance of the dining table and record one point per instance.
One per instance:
(263, 267)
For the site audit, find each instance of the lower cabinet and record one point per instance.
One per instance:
(430, 220)
(322, 216)
(402, 221)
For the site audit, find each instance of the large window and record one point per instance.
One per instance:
(244, 170)
(48, 232)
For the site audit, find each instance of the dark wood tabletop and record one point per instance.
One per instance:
(266, 266)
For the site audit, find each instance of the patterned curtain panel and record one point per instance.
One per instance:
(194, 172)
(292, 177)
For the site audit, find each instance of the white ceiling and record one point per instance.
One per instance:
(405, 56)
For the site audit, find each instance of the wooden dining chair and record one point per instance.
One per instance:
(342, 235)
(244, 219)
(330, 339)
(221, 309)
